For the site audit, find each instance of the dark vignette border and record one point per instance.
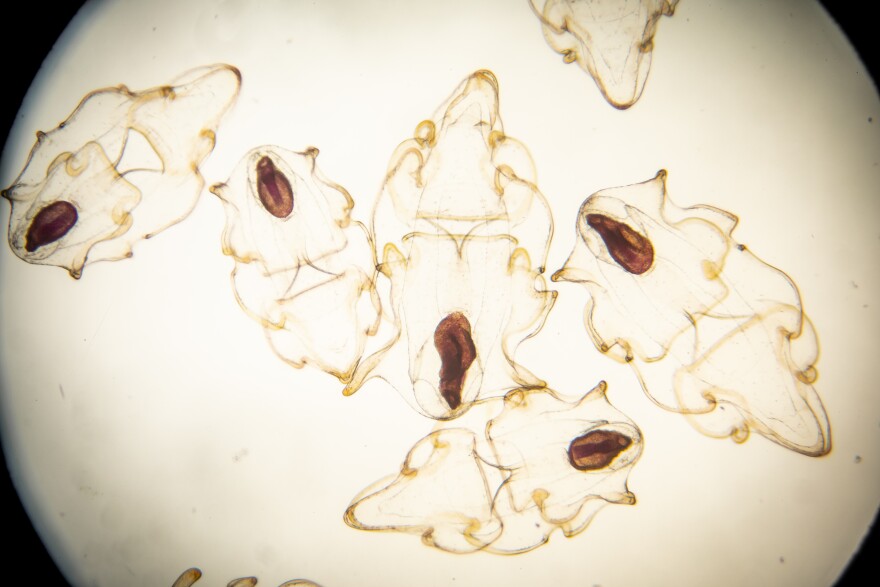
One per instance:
(28, 562)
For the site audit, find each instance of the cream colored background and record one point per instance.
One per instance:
(150, 428)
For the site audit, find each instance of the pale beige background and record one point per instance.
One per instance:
(180, 440)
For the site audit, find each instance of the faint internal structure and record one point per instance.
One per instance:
(121, 168)
(612, 40)
(712, 331)
(303, 269)
(437, 297)
(190, 576)
(462, 232)
(504, 486)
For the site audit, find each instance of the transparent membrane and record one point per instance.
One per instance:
(121, 168)
(462, 233)
(611, 40)
(303, 269)
(711, 330)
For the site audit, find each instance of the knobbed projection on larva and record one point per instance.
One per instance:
(190, 576)
(438, 295)
(303, 269)
(462, 233)
(674, 295)
(505, 476)
(122, 167)
(612, 40)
